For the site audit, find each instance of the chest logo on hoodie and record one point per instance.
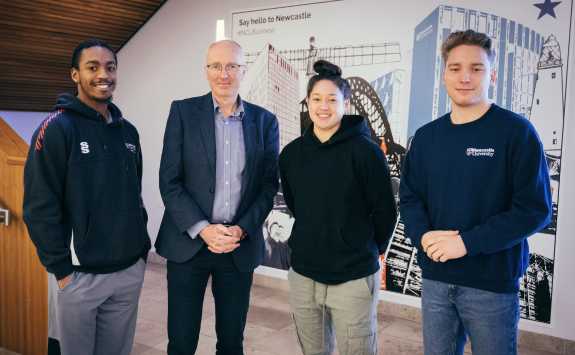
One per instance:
(84, 147)
(131, 147)
(480, 152)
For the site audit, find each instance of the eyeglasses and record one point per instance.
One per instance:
(231, 68)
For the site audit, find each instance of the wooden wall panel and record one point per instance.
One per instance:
(23, 282)
(37, 39)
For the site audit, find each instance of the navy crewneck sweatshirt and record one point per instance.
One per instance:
(488, 179)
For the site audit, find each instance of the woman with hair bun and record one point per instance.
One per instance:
(336, 183)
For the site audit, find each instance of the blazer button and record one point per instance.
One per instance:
(212, 189)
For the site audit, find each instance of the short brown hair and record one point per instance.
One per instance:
(470, 38)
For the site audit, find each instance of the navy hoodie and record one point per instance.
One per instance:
(82, 185)
(339, 192)
(487, 179)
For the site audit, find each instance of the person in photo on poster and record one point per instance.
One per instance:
(336, 183)
(218, 179)
(276, 234)
(84, 211)
(474, 187)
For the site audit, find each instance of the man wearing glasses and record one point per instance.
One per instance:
(218, 178)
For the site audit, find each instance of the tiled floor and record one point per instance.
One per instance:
(269, 330)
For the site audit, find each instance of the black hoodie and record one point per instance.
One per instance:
(340, 194)
(82, 185)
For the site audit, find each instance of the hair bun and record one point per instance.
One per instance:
(325, 68)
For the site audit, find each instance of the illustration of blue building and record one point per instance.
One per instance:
(389, 88)
(517, 51)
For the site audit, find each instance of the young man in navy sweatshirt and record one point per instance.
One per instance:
(474, 187)
(84, 211)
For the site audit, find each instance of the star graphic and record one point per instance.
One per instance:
(547, 8)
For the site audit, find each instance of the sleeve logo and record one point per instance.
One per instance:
(131, 147)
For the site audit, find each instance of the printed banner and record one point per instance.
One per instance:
(390, 53)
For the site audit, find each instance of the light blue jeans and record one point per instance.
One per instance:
(451, 313)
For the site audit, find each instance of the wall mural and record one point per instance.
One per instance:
(391, 56)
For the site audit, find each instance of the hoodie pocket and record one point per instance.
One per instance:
(356, 235)
(113, 239)
(342, 242)
(79, 242)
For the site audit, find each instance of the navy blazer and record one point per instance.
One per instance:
(188, 177)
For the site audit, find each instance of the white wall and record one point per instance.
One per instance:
(24, 123)
(563, 308)
(164, 61)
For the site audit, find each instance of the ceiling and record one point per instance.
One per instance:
(37, 38)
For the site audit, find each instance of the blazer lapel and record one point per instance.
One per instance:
(250, 143)
(208, 130)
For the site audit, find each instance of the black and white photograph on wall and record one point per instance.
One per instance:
(277, 228)
(395, 71)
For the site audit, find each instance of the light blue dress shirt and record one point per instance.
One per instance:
(230, 164)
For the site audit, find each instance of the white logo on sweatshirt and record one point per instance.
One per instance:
(84, 147)
(480, 152)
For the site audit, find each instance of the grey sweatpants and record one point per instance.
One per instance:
(349, 308)
(96, 313)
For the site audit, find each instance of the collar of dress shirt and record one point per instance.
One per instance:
(238, 113)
